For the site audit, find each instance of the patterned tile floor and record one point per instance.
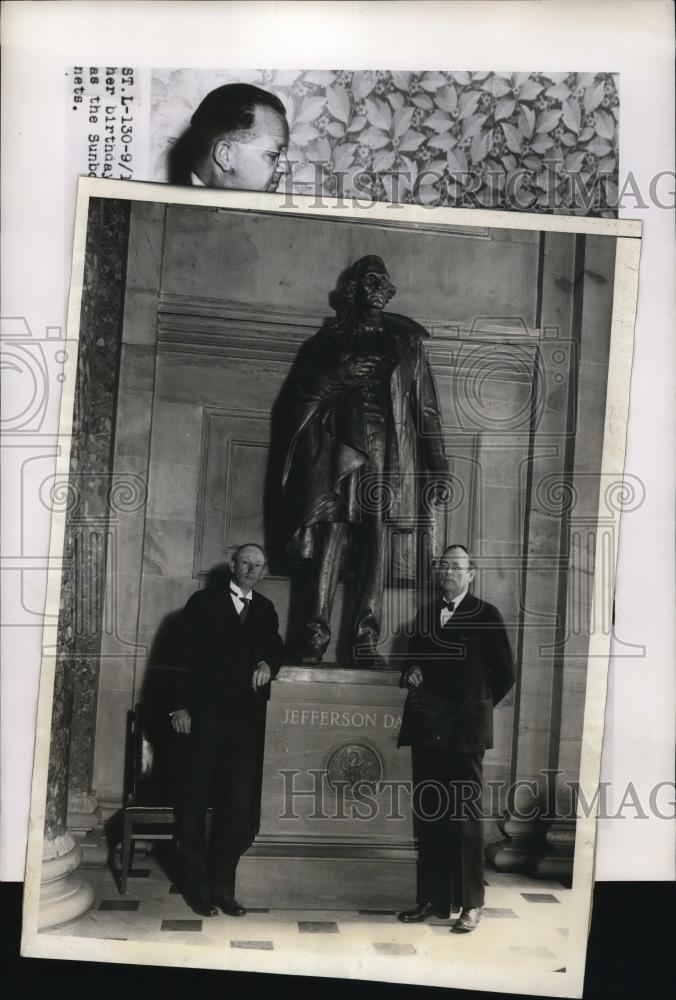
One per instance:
(525, 921)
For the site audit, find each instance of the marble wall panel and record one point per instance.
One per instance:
(169, 547)
(574, 692)
(226, 383)
(244, 257)
(116, 673)
(143, 273)
(133, 424)
(172, 488)
(592, 408)
(501, 461)
(137, 370)
(599, 276)
(498, 406)
(501, 514)
(544, 535)
(569, 756)
(127, 538)
(177, 428)
(122, 604)
(111, 725)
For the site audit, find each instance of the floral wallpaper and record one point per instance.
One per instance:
(539, 142)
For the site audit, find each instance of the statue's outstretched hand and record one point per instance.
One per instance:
(354, 369)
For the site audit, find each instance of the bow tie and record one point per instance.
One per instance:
(449, 604)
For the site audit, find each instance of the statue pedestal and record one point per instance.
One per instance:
(336, 830)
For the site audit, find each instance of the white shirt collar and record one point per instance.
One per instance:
(238, 592)
(195, 181)
(460, 597)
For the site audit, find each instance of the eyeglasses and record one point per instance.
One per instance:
(273, 152)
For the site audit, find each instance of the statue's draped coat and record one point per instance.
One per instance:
(325, 434)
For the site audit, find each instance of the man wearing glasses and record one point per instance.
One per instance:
(237, 139)
(229, 649)
(459, 667)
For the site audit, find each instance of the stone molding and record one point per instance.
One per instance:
(244, 332)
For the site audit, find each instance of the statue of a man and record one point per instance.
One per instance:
(365, 431)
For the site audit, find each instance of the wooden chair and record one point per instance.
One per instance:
(147, 810)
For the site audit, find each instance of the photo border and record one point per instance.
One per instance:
(628, 245)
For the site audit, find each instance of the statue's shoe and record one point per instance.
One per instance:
(312, 654)
(316, 643)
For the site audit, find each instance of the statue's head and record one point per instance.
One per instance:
(368, 284)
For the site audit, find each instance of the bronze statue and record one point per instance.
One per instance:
(365, 431)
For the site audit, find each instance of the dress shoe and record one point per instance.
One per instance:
(421, 912)
(468, 920)
(230, 907)
(201, 907)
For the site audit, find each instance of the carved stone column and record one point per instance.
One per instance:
(86, 498)
(64, 893)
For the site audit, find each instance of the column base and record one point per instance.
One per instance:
(64, 893)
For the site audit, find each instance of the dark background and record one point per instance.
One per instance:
(632, 937)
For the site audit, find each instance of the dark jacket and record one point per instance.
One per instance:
(210, 650)
(467, 669)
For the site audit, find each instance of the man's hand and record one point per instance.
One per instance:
(147, 756)
(414, 677)
(261, 675)
(180, 720)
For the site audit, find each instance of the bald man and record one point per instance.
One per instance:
(229, 650)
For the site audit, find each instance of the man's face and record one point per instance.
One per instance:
(257, 162)
(375, 289)
(247, 567)
(453, 572)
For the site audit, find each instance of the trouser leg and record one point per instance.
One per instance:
(330, 542)
(430, 819)
(193, 804)
(447, 823)
(466, 831)
(371, 562)
(371, 548)
(234, 781)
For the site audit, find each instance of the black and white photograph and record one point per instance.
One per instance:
(467, 138)
(336, 513)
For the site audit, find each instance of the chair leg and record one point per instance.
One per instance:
(126, 855)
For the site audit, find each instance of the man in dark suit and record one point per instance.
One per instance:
(238, 138)
(229, 649)
(460, 666)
